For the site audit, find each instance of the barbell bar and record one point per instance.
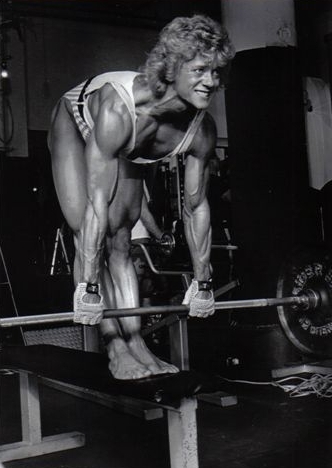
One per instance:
(309, 299)
(304, 303)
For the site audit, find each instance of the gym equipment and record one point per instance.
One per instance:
(86, 375)
(307, 299)
(90, 370)
(181, 419)
(59, 248)
(166, 243)
(309, 272)
(304, 295)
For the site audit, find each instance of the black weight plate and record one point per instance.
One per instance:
(309, 330)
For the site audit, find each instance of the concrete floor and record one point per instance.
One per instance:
(265, 429)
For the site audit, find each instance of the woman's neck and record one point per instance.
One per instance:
(169, 104)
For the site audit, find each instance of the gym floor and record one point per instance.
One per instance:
(265, 429)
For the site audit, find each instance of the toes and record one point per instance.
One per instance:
(163, 368)
(170, 370)
(142, 374)
(132, 374)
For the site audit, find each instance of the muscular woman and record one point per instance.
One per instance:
(100, 136)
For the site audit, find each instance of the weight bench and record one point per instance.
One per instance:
(86, 373)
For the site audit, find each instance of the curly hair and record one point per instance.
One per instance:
(180, 41)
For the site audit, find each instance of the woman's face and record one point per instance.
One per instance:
(197, 81)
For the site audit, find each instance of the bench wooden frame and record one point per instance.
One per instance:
(33, 443)
(182, 427)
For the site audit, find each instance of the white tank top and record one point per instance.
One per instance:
(122, 82)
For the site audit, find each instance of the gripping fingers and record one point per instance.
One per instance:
(86, 310)
(201, 308)
(190, 293)
(88, 318)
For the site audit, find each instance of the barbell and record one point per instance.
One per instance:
(304, 298)
(310, 330)
(166, 244)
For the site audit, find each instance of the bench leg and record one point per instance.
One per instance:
(33, 444)
(182, 434)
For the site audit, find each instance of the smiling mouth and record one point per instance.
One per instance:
(205, 94)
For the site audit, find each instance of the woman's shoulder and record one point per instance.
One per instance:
(205, 139)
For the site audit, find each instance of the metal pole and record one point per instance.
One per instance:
(139, 311)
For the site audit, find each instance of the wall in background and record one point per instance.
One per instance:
(62, 53)
(13, 98)
(56, 54)
(259, 23)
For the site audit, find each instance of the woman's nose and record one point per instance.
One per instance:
(208, 79)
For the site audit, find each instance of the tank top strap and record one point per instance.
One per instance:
(186, 141)
(127, 96)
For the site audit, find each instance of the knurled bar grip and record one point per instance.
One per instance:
(167, 309)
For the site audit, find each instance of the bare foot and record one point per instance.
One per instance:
(123, 364)
(153, 363)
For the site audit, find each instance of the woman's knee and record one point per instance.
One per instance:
(119, 245)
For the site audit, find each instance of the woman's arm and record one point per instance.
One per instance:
(108, 136)
(197, 223)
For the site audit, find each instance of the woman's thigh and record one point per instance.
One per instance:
(68, 165)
